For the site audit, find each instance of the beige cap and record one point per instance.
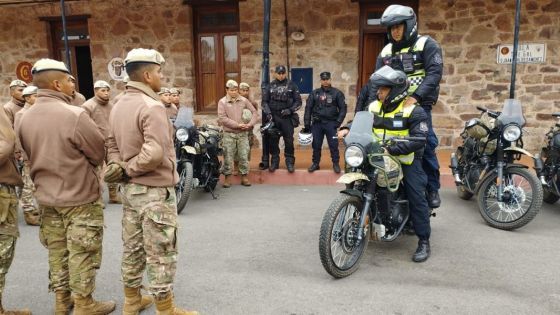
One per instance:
(231, 84)
(30, 90)
(174, 91)
(163, 90)
(244, 85)
(99, 84)
(144, 55)
(18, 83)
(48, 64)
(246, 116)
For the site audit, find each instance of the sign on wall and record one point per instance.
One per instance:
(116, 69)
(526, 53)
(23, 71)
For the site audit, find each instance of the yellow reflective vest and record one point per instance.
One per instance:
(417, 77)
(393, 124)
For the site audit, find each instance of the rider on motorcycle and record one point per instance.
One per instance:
(393, 119)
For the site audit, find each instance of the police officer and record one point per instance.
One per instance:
(280, 103)
(366, 93)
(324, 112)
(393, 117)
(421, 59)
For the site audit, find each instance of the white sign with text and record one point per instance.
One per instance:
(526, 53)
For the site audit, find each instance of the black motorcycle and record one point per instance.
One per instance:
(197, 151)
(373, 205)
(549, 174)
(509, 195)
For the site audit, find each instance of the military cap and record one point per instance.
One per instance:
(163, 90)
(29, 90)
(99, 84)
(280, 69)
(174, 91)
(48, 64)
(246, 116)
(230, 84)
(325, 75)
(244, 86)
(144, 55)
(18, 83)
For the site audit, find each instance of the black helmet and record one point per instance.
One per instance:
(397, 14)
(394, 79)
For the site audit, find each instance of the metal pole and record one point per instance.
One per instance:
(287, 38)
(515, 45)
(265, 75)
(63, 13)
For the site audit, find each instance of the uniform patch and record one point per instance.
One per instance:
(437, 59)
(424, 126)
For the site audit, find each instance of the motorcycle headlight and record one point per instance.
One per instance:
(354, 156)
(512, 133)
(182, 134)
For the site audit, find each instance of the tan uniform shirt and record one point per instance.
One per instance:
(78, 100)
(171, 111)
(17, 119)
(142, 136)
(118, 97)
(230, 112)
(99, 111)
(12, 107)
(9, 174)
(64, 147)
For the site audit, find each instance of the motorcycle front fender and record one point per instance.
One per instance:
(189, 149)
(353, 192)
(349, 178)
(520, 150)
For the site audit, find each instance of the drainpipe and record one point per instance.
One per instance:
(63, 14)
(287, 38)
(515, 46)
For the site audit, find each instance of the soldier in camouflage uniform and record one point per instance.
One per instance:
(141, 153)
(9, 178)
(236, 132)
(26, 200)
(67, 188)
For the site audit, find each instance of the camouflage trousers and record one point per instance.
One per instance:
(26, 200)
(236, 146)
(8, 231)
(74, 237)
(149, 234)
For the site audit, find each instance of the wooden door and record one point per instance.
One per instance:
(372, 45)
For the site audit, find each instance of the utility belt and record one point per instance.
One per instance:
(8, 188)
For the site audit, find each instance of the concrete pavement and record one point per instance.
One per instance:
(255, 251)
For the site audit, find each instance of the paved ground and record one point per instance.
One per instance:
(254, 251)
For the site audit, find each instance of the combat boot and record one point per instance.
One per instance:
(227, 181)
(245, 180)
(63, 303)
(135, 302)
(290, 164)
(88, 306)
(14, 312)
(113, 195)
(165, 306)
(274, 163)
(31, 218)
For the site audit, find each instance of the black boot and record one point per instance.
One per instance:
(433, 199)
(274, 163)
(422, 252)
(314, 167)
(290, 164)
(336, 167)
(263, 165)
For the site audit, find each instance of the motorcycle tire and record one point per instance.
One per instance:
(463, 193)
(186, 179)
(215, 177)
(549, 196)
(528, 215)
(330, 218)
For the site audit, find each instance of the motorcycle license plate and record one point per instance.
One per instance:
(351, 177)
(189, 149)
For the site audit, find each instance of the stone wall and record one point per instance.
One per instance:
(468, 30)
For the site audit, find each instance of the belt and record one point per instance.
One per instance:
(9, 188)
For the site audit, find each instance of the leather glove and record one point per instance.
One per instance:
(285, 112)
(115, 172)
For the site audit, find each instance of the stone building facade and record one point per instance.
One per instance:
(469, 32)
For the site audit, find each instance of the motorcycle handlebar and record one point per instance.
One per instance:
(420, 139)
(491, 113)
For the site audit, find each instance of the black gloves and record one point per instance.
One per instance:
(285, 112)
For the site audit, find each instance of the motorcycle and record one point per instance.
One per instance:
(549, 174)
(373, 205)
(509, 195)
(197, 151)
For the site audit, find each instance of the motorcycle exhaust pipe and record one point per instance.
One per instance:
(454, 165)
(539, 166)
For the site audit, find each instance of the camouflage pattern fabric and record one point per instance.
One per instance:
(149, 237)
(236, 146)
(8, 231)
(74, 237)
(26, 200)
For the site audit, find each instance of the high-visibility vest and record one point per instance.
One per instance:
(417, 77)
(385, 127)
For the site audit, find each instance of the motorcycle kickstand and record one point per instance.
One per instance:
(214, 196)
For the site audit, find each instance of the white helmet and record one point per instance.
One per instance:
(305, 138)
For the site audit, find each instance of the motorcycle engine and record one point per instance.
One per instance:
(473, 175)
(392, 208)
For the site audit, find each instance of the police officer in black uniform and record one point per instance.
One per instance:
(280, 103)
(393, 117)
(324, 112)
(366, 93)
(421, 59)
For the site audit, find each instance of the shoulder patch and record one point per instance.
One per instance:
(424, 126)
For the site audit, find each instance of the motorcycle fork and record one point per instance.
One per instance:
(500, 170)
(368, 201)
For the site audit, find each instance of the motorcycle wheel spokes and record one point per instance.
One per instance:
(344, 237)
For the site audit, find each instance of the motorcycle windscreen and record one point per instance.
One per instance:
(361, 130)
(184, 118)
(512, 113)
